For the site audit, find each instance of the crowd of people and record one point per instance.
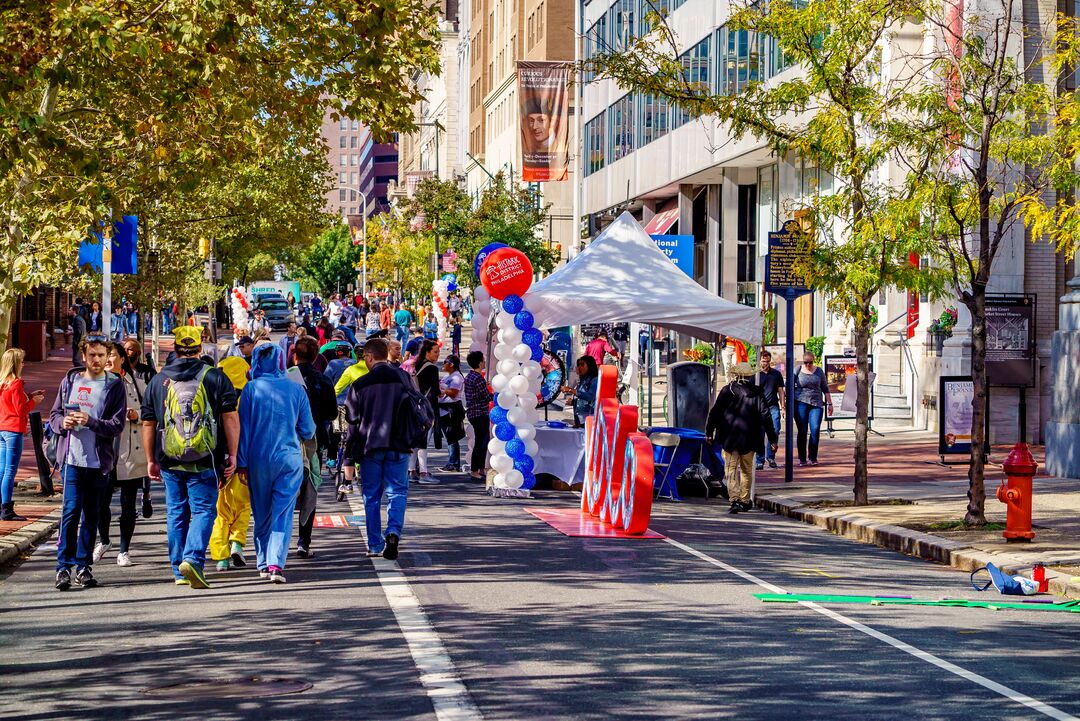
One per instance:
(239, 439)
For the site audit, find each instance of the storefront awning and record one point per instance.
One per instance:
(661, 222)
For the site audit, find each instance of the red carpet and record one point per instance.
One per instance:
(572, 522)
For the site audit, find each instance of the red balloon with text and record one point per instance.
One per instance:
(506, 272)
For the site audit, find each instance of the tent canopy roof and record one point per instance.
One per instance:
(622, 276)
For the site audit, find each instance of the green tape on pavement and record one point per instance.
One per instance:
(1066, 606)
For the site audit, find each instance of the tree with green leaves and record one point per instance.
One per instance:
(107, 104)
(1005, 131)
(330, 264)
(842, 112)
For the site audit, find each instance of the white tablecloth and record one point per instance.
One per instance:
(562, 453)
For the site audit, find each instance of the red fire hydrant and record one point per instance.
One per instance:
(1019, 467)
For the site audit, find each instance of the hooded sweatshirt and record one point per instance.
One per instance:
(106, 423)
(274, 416)
(219, 392)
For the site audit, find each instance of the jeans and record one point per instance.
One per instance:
(11, 446)
(402, 333)
(808, 419)
(83, 488)
(482, 430)
(384, 471)
(767, 453)
(191, 507)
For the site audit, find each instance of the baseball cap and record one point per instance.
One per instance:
(244, 339)
(187, 336)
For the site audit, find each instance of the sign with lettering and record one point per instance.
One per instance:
(1010, 340)
(787, 249)
(619, 470)
(680, 249)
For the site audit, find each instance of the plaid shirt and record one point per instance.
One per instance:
(477, 395)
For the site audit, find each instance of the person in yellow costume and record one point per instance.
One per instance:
(233, 504)
(351, 374)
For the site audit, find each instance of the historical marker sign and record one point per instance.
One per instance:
(787, 249)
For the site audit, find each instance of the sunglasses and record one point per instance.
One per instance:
(97, 338)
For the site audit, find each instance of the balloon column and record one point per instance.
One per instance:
(239, 303)
(506, 275)
(481, 302)
(440, 291)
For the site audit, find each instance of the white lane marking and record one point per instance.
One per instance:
(930, 658)
(449, 697)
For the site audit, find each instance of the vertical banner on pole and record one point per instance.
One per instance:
(789, 247)
(544, 105)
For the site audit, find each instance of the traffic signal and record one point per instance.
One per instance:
(204, 248)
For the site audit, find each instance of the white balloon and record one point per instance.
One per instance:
(505, 320)
(521, 353)
(502, 462)
(519, 385)
(508, 367)
(499, 382)
(495, 446)
(533, 415)
(517, 416)
(514, 478)
(534, 386)
(483, 310)
(526, 433)
(531, 447)
(525, 401)
(531, 369)
(481, 294)
(504, 351)
(507, 400)
(512, 336)
(500, 480)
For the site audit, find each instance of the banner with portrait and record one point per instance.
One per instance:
(544, 107)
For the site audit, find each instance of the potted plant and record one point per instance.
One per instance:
(940, 329)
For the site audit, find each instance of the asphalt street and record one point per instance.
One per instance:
(515, 621)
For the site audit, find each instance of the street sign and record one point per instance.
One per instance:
(1010, 340)
(787, 249)
(680, 249)
(212, 270)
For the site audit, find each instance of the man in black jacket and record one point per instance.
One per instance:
(375, 444)
(320, 393)
(736, 421)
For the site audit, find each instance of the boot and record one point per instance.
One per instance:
(147, 506)
(7, 512)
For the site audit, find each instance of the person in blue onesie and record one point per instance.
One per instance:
(275, 417)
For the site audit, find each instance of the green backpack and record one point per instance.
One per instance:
(190, 426)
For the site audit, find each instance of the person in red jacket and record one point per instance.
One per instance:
(15, 407)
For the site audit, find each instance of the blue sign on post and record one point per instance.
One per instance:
(680, 249)
(125, 248)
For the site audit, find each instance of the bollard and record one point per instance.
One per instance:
(1019, 467)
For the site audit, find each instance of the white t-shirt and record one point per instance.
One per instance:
(335, 311)
(455, 381)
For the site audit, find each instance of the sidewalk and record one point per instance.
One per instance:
(917, 507)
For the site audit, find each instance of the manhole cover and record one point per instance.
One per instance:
(252, 687)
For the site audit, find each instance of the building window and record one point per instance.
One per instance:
(352, 178)
(342, 141)
(741, 60)
(594, 138)
(343, 161)
(746, 235)
(654, 118)
(344, 124)
(353, 158)
(355, 125)
(352, 195)
(352, 141)
(352, 210)
(342, 194)
(341, 178)
(695, 62)
(924, 265)
(621, 125)
(622, 23)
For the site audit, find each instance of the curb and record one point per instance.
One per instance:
(13, 545)
(912, 543)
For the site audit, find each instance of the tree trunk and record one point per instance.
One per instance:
(862, 407)
(976, 509)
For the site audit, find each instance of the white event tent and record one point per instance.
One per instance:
(623, 277)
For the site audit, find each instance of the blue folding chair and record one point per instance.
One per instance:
(668, 445)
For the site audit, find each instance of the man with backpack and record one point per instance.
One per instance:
(320, 393)
(181, 411)
(387, 418)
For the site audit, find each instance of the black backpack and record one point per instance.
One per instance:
(414, 418)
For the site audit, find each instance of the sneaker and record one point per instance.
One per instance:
(147, 506)
(276, 575)
(99, 551)
(428, 480)
(84, 578)
(803, 463)
(304, 552)
(813, 463)
(735, 507)
(332, 463)
(349, 488)
(391, 550)
(237, 556)
(223, 565)
(263, 573)
(451, 469)
(193, 574)
(374, 554)
(414, 476)
(759, 468)
(744, 506)
(182, 582)
(772, 463)
(341, 496)
(63, 579)
(123, 559)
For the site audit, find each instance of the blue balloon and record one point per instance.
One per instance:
(505, 432)
(515, 447)
(449, 277)
(451, 286)
(524, 320)
(498, 414)
(532, 338)
(538, 354)
(483, 254)
(525, 464)
(530, 481)
(513, 304)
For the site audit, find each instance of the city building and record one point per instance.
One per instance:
(688, 176)
(361, 167)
